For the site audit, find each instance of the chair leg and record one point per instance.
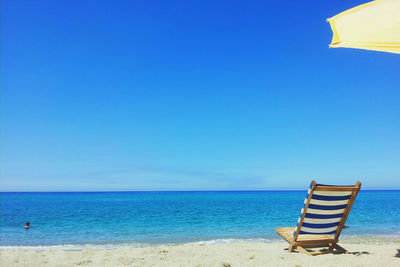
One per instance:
(315, 253)
(303, 250)
(291, 247)
(330, 249)
(340, 248)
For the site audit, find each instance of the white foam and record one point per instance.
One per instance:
(131, 244)
(73, 246)
(234, 240)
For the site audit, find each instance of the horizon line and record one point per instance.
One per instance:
(177, 191)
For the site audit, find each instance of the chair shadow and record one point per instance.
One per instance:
(294, 251)
(359, 253)
(355, 253)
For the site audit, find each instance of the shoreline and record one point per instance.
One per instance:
(136, 244)
(364, 252)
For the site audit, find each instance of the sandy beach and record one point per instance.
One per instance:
(364, 252)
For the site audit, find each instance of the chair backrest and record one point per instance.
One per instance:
(325, 209)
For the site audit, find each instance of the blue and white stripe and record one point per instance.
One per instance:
(324, 212)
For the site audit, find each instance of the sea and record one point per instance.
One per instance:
(75, 220)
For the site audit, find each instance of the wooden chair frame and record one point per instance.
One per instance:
(303, 241)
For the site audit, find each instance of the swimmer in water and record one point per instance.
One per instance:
(27, 226)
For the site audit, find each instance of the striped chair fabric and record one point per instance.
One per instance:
(324, 212)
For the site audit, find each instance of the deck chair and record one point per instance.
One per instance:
(322, 219)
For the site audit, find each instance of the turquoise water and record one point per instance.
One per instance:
(141, 218)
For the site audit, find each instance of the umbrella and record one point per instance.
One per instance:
(373, 26)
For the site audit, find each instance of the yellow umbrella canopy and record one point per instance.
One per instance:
(373, 26)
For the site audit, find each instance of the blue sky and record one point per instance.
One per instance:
(182, 95)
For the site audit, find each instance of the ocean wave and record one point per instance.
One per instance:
(131, 244)
(234, 240)
(148, 243)
(71, 246)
